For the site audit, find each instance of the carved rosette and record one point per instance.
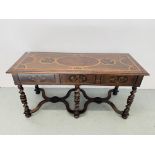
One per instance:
(23, 99)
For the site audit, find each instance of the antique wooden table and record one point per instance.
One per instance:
(103, 69)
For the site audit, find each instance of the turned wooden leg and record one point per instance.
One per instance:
(77, 101)
(130, 99)
(115, 90)
(23, 99)
(37, 89)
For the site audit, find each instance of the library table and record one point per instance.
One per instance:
(54, 68)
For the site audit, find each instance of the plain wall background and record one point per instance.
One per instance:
(136, 37)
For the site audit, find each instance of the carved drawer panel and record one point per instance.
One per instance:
(37, 78)
(118, 80)
(77, 79)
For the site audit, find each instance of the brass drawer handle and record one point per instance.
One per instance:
(76, 78)
(123, 79)
(119, 79)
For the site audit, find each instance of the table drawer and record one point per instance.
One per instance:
(37, 78)
(118, 80)
(77, 79)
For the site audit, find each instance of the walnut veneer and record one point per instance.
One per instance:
(103, 69)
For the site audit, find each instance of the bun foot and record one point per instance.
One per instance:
(125, 116)
(115, 90)
(76, 116)
(37, 89)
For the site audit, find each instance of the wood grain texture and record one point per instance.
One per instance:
(77, 63)
(77, 79)
(47, 68)
(107, 69)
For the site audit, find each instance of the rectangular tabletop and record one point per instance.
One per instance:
(77, 63)
(103, 69)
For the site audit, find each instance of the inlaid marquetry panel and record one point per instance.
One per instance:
(77, 63)
(77, 79)
(118, 80)
(37, 78)
(113, 69)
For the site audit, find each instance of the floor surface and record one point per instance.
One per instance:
(53, 118)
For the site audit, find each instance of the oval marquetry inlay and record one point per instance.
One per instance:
(108, 61)
(77, 61)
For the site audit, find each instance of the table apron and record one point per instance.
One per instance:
(78, 79)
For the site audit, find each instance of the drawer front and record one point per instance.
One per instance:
(37, 78)
(72, 79)
(77, 79)
(118, 80)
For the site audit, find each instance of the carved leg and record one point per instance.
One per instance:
(115, 90)
(37, 89)
(77, 101)
(130, 99)
(23, 99)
